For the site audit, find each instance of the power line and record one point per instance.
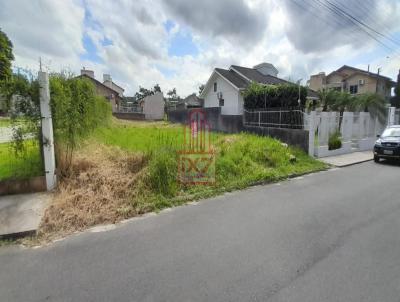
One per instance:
(340, 14)
(362, 23)
(333, 22)
(366, 10)
(337, 16)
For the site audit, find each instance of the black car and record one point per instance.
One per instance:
(388, 144)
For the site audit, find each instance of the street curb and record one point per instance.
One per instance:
(355, 163)
(18, 235)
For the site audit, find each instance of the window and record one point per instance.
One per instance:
(353, 89)
(221, 102)
(215, 87)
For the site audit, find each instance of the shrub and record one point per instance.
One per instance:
(76, 111)
(335, 142)
(266, 96)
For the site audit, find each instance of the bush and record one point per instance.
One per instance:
(267, 96)
(335, 142)
(76, 111)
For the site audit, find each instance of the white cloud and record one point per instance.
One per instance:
(243, 32)
(48, 29)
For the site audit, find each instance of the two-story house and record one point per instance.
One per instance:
(353, 80)
(108, 89)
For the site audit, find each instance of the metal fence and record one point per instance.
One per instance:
(130, 109)
(275, 118)
(397, 117)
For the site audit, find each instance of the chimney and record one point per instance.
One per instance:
(106, 78)
(267, 69)
(89, 73)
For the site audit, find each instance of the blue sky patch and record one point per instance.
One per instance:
(90, 50)
(181, 44)
(106, 42)
(167, 72)
(169, 25)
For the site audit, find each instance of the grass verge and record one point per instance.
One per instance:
(20, 166)
(5, 122)
(130, 168)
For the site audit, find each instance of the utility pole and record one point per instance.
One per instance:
(377, 80)
(298, 83)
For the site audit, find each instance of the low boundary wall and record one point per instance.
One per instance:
(32, 185)
(293, 137)
(234, 124)
(129, 116)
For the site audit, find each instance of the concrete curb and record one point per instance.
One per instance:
(356, 163)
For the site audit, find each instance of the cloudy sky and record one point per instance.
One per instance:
(177, 43)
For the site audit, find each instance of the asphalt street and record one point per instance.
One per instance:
(329, 236)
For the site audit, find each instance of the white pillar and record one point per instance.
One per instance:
(363, 121)
(311, 133)
(47, 131)
(391, 116)
(347, 126)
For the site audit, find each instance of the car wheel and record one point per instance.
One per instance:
(376, 159)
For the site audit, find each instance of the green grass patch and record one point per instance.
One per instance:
(241, 160)
(20, 166)
(143, 137)
(5, 122)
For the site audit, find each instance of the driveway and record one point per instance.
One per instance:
(330, 236)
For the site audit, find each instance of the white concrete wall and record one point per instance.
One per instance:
(233, 104)
(154, 107)
(358, 131)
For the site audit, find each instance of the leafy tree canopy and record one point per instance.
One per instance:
(6, 56)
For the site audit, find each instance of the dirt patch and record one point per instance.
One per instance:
(101, 188)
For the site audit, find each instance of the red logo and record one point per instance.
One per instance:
(197, 159)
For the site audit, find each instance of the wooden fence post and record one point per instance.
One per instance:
(47, 131)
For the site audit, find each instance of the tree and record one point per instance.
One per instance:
(372, 103)
(327, 98)
(143, 92)
(341, 101)
(395, 101)
(201, 88)
(172, 94)
(156, 88)
(6, 56)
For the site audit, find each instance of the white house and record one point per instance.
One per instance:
(225, 86)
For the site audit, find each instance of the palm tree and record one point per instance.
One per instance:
(327, 99)
(342, 101)
(374, 104)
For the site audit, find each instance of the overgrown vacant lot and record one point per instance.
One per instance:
(130, 168)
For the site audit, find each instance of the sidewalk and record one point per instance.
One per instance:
(348, 159)
(21, 214)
